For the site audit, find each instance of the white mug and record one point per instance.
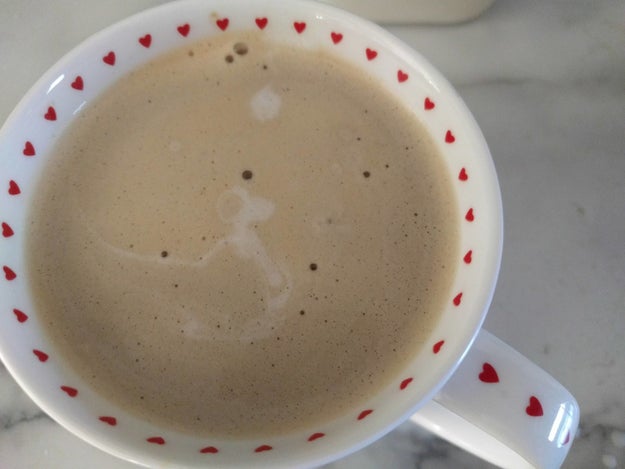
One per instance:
(465, 385)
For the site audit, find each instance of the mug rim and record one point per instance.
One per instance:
(453, 351)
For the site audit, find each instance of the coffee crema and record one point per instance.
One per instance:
(241, 238)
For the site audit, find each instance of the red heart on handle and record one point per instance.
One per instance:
(535, 409)
(262, 448)
(157, 440)
(401, 76)
(371, 54)
(428, 104)
(567, 438)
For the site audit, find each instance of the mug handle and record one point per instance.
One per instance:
(503, 408)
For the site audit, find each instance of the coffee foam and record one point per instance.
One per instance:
(266, 104)
(244, 243)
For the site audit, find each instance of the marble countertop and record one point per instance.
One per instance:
(546, 82)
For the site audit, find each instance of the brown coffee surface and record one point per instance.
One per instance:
(242, 238)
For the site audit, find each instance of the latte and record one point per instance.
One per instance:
(242, 238)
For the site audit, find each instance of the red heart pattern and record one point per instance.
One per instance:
(469, 216)
(78, 83)
(42, 356)
(535, 408)
(146, 41)
(567, 438)
(50, 115)
(112, 421)
(401, 76)
(7, 231)
(223, 23)
(110, 58)
(404, 384)
(20, 315)
(488, 374)
(316, 436)
(438, 346)
(457, 299)
(184, 29)
(14, 189)
(209, 450)
(8, 273)
(29, 149)
(70, 391)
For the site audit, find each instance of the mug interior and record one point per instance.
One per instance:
(29, 134)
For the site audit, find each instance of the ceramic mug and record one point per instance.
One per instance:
(464, 385)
